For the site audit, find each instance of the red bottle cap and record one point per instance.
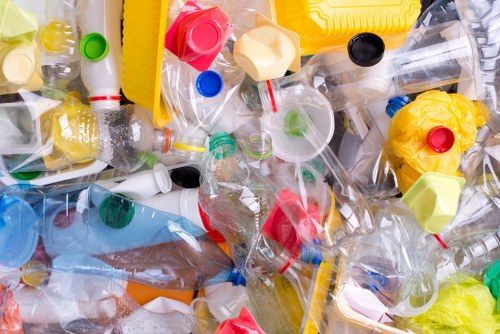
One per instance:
(440, 139)
(198, 34)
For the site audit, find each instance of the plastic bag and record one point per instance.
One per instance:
(410, 127)
(463, 308)
(242, 325)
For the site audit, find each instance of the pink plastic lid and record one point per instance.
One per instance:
(440, 139)
(198, 34)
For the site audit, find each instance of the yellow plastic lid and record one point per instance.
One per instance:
(433, 200)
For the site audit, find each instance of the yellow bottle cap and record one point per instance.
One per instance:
(433, 200)
(33, 273)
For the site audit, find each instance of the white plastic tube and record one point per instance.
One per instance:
(102, 73)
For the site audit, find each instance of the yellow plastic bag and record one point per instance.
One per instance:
(410, 154)
(464, 308)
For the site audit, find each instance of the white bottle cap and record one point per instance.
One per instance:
(145, 185)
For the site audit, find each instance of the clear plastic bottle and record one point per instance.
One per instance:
(234, 197)
(58, 40)
(88, 230)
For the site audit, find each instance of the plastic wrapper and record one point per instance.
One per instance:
(464, 308)
(42, 310)
(408, 142)
(87, 230)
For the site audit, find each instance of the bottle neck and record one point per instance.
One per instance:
(271, 96)
(163, 139)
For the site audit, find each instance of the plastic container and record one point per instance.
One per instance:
(100, 46)
(142, 58)
(324, 24)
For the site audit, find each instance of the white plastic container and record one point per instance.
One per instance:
(100, 46)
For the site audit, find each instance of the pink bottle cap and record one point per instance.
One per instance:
(440, 139)
(198, 34)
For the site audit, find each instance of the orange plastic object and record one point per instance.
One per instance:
(143, 294)
(144, 27)
(325, 24)
(10, 317)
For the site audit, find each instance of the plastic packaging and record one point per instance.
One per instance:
(60, 57)
(87, 230)
(100, 24)
(490, 279)
(466, 307)
(243, 324)
(325, 24)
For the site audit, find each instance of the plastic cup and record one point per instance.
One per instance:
(17, 63)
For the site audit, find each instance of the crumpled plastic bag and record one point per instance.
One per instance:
(244, 324)
(10, 319)
(492, 281)
(464, 308)
(411, 155)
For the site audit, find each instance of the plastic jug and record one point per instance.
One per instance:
(324, 24)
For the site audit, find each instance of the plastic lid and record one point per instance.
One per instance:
(162, 178)
(19, 65)
(212, 232)
(209, 83)
(26, 176)
(366, 49)
(296, 124)
(116, 211)
(34, 273)
(64, 218)
(395, 104)
(94, 47)
(186, 177)
(440, 139)
(204, 35)
(223, 141)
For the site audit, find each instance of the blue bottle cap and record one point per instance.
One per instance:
(209, 83)
(18, 231)
(395, 104)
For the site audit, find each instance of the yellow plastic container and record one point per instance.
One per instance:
(144, 27)
(325, 24)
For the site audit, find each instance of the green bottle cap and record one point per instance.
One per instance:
(222, 145)
(116, 211)
(94, 47)
(26, 176)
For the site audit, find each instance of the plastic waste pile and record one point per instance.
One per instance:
(252, 166)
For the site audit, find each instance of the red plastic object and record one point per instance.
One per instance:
(10, 317)
(279, 227)
(440, 139)
(212, 233)
(244, 324)
(198, 34)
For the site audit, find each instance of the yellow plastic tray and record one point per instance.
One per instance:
(324, 24)
(144, 28)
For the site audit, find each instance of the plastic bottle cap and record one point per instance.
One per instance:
(26, 176)
(295, 124)
(116, 211)
(186, 177)
(19, 65)
(440, 139)
(94, 47)
(366, 49)
(33, 273)
(204, 35)
(209, 83)
(222, 140)
(162, 178)
(64, 218)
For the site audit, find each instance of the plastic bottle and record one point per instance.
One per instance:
(100, 46)
(87, 230)
(234, 197)
(429, 58)
(60, 58)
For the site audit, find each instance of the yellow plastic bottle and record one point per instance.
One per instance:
(325, 24)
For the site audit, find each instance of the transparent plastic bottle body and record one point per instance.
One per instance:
(60, 57)
(234, 197)
(87, 230)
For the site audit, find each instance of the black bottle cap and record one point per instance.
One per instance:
(366, 49)
(186, 177)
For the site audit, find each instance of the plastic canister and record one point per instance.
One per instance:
(325, 24)
(18, 63)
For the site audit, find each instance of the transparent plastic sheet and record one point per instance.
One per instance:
(194, 114)
(93, 306)
(85, 229)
